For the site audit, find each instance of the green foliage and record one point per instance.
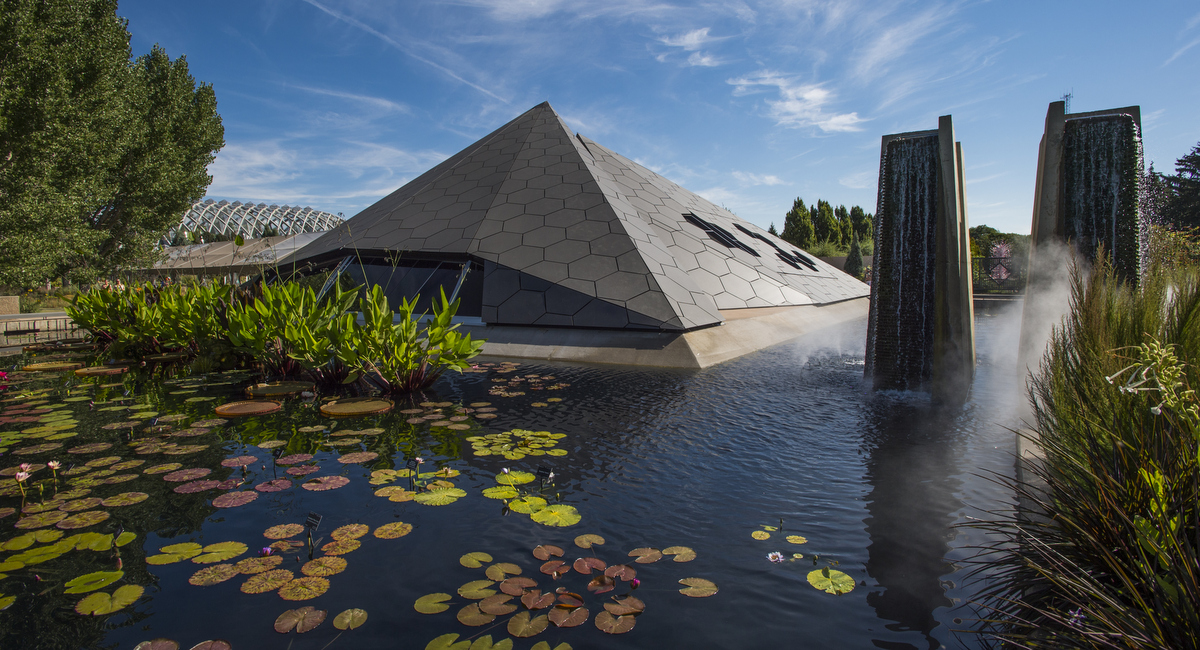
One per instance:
(797, 226)
(771, 230)
(861, 222)
(854, 260)
(97, 154)
(825, 225)
(1173, 250)
(400, 356)
(826, 249)
(845, 229)
(1110, 557)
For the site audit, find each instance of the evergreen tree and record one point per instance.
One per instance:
(845, 230)
(797, 226)
(854, 261)
(825, 225)
(1185, 187)
(771, 230)
(861, 223)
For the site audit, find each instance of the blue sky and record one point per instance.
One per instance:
(335, 103)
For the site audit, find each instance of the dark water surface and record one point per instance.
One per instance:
(874, 481)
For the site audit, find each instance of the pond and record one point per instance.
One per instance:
(785, 445)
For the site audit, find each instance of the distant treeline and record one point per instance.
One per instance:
(821, 223)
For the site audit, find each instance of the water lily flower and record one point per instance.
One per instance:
(21, 476)
(266, 550)
(421, 460)
(54, 464)
(635, 583)
(505, 470)
(551, 477)
(775, 556)
(25, 467)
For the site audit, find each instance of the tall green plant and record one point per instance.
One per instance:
(287, 331)
(402, 356)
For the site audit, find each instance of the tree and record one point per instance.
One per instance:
(845, 229)
(771, 230)
(797, 226)
(1184, 206)
(854, 261)
(861, 222)
(97, 154)
(825, 224)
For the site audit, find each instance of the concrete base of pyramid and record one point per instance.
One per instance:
(744, 331)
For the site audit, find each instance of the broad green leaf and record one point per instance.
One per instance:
(527, 505)
(432, 604)
(557, 515)
(831, 581)
(93, 581)
(447, 642)
(474, 560)
(350, 619)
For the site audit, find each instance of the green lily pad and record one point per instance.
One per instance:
(83, 520)
(498, 605)
(125, 538)
(40, 520)
(302, 619)
(646, 555)
(393, 530)
(261, 583)
(681, 553)
(432, 604)
(100, 603)
(211, 575)
(175, 553)
(557, 515)
(220, 552)
(448, 642)
(522, 625)
(477, 590)
(831, 581)
(515, 477)
(588, 541)
(440, 496)
(474, 560)
(305, 588)
(472, 616)
(93, 581)
(527, 505)
(697, 587)
(283, 531)
(760, 535)
(485, 643)
(502, 570)
(796, 539)
(610, 624)
(501, 492)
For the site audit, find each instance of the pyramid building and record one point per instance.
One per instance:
(534, 226)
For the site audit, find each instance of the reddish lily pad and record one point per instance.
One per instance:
(294, 459)
(79, 505)
(555, 568)
(621, 571)
(324, 483)
(545, 552)
(267, 581)
(184, 475)
(212, 575)
(625, 606)
(573, 617)
(517, 586)
(324, 566)
(602, 584)
(157, 644)
(304, 588)
(341, 547)
(103, 462)
(303, 470)
(586, 565)
(355, 407)
(393, 530)
(37, 449)
(209, 423)
(358, 457)
(196, 486)
(215, 644)
(350, 531)
(240, 461)
(535, 599)
(234, 499)
(276, 485)
(248, 408)
(162, 469)
(498, 605)
(302, 619)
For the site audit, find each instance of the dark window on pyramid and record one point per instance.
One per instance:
(793, 259)
(718, 234)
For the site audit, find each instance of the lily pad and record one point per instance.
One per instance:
(517, 586)
(625, 606)
(448, 642)
(162, 469)
(588, 541)
(93, 581)
(355, 407)
(304, 588)
(610, 624)
(100, 603)
(472, 616)
(240, 461)
(760, 535)
(796, 539)
(350, 619)
(501, 492)
(498, 605)
(220, 552)
(502, 570)
(157, 644)
(294, 459)
(515, 477)
(568, 617)
(557, 515)
(185, 475)
(302, 620)
(586, 565)
(396, 493)
(440, 496)
(341, 547)
(681, 553)
(256, 565)
(432, 604)
(324, 483)
(646, 555)
(358, 457)
(324, 566)
(196, 486)
(267, 581)
(527, 505)
(393, 530)
(555, 568)
(303, 470)
(350, 531)
(283, 531)
(234, 499)
(276, 485)
(831, 581)
(175, 553)
(83, 520)
(697, 587)
(477, 590)
(271, 444)
(535, 599)
(621, 571)
(214, 644)
(278, 389)
(522, 626)
(40, 520)
(602, 584)
(211, 575)
(475, 559)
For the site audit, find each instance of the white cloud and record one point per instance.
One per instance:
(691, 41)
(858, 180)
(703, 60)
(799, 104)
(376, 102)
(1178, 53)
(758, 179)
(718, 195)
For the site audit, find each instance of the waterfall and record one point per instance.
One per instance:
(901, 337)
(1102, 171)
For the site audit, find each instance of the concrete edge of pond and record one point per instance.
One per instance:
(744, 331)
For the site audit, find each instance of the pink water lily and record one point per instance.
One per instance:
(54, 464)
(21, 476)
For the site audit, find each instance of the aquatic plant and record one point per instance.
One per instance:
(1104, 551)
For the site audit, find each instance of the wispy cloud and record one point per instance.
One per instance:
(858, 180)
(689, 41)
(799, 104)
(984, 179)
(350, 20)
(748, 178)
(1178, 53)
(718, 195)
(376, 102)
(889, 45)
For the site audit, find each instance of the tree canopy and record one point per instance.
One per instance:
(99, 154)
(797, 225)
